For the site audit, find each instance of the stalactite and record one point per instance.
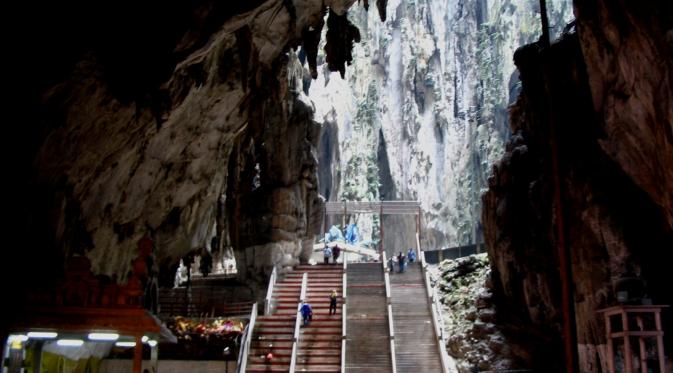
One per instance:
(310, 42)
(341, 34)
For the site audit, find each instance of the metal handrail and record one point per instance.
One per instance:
(344, 287)
(391, 332)
(242, 351)
(295, 340)
(386, 278)
(344, 318)
(269, 292)
(435, 309)
(391, 327)
(297, 323)
(424, 263)
(343, 337)
(245, 346)
(304, 285)
(384, 261)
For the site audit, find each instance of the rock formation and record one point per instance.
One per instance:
(185, 122)
(422, 113)
(603, 95)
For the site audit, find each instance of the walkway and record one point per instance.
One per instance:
(415, 340)
(367, 343)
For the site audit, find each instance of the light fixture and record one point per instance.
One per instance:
(125, 344)
(17, 338)
(152, 342)
(42, 335)
(145, 339)
(70, 342)
(103, 336)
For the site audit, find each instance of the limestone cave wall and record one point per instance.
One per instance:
(185, 122)
(606, 93)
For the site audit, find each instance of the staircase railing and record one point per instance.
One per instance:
(435, 309)
(344, 284)
(268, 305)
(343, 338)
(344, 318)
(391, 328)
(297, 323)
(247, 339)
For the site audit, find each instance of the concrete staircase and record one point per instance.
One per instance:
(320, 341)
(367, 344)
(319, 348)
(274, 333)
(415, 340)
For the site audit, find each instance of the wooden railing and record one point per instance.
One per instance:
(435, 309)
(391, 328)
(247, 339)
(297, 323)
(268, 305)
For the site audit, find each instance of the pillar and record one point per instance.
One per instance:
(138, 355)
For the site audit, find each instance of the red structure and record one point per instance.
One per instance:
(640, 316)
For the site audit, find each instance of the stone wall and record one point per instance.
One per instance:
(186, 122)
(595, 97)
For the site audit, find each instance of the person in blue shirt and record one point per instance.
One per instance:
(327, 253)
(306, 313)
(411, 255)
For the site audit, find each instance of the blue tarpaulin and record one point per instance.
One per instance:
(352, 234)
(334, 234)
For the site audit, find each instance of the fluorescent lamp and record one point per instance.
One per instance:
(103, 336)
(125, 344)
(145, 339)
(43, 335)
(70, 342)
(17, 338)
(152, 342)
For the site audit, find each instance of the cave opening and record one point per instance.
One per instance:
(193, 160)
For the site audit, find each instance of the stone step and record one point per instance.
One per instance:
(260, 368)
(318, 368)
(290, 322)
(318, 268)
(321, 274)
(312, 344)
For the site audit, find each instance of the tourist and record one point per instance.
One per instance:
(333, 302)
(306, 313)
(335, 253)
(268, 358)
(391, 265)
(411, 254)
(327, 252)
(400, 261)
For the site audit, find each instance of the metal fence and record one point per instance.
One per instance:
(436, 256)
